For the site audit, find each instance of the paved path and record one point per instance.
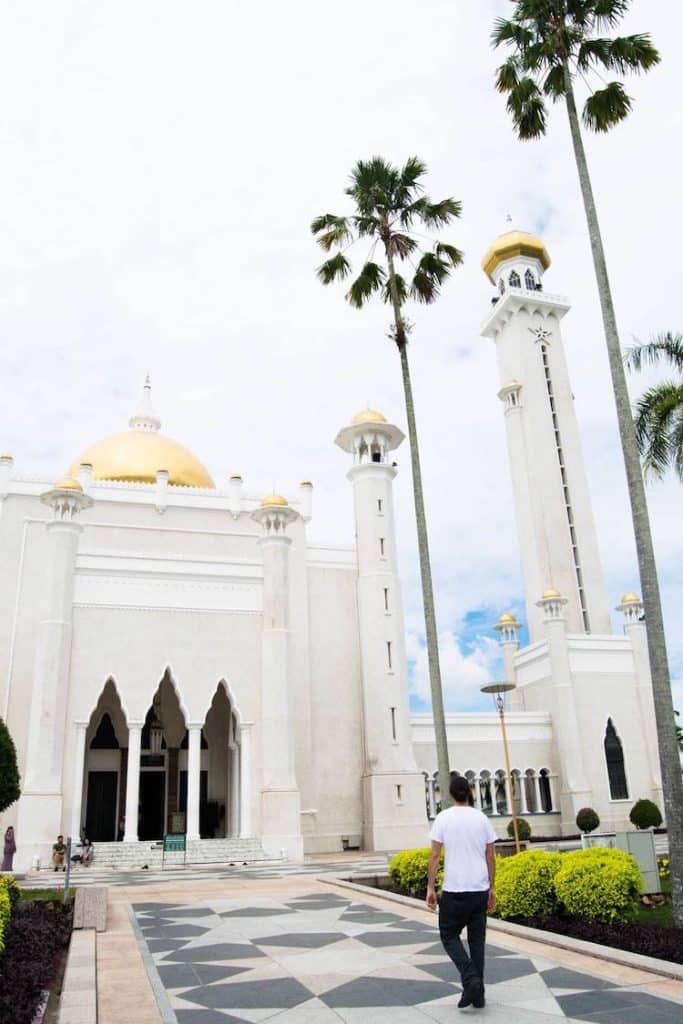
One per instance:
(298, 951)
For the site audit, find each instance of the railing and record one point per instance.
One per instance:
(530, 791)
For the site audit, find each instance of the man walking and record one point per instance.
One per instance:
(468, 886)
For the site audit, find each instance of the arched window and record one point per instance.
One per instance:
(514, 280)
(530, 281)
(501, 286)
(614, 755)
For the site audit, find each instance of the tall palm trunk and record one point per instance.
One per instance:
(423, 550)
(669, 759)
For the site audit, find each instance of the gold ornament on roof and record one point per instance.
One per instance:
(135, 456)
(274, 500)
(550, 592)
(68, 483)
(630, 598)
(507, 617)
(514, 243)
(368, 416)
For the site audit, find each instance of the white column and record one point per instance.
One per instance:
(194, 754)
(245, 780)
(508, 795)
(524, 807)
(478, 788)
(554, 805)
(79, 769)
(537, 791)
(234, 790)
(493, 788)
(133, 782)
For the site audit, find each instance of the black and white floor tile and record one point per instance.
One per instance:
(320, 958)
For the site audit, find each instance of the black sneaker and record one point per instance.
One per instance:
(480, 1002)
(471, 994)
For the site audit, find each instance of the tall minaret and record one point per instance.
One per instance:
(557, 536)
(393, 789)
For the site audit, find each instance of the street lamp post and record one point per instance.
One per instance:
(498, 691)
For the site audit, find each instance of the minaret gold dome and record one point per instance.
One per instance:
(68, 483)
(510, 244)
(274, 500)
(137, 455)
(550, 592)
(630, 598)
(507, 617)
(368, 416)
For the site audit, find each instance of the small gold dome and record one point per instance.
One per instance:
(507, 617)
(274, 500)
(510, 244)
(551, 592)
(368, 416)
(68, 483)
(236, 476)
(137, 455)
(6, 456)
(630, 598)
(306, 483)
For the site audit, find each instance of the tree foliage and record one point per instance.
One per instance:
(659, 410)
(389, 205)
(554, 42)
(9, 773)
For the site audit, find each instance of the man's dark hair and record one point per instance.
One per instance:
(460, 789)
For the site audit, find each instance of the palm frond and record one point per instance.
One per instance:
(373, 183)
(658, 412)
(511, 31)
(664, 347)
(431, 271)
(335, 231)
(437, 215)
(369, 281)
(401, 289)
(525, 104)
(411, 172)
(633, 53)
(449, 252)
(607, 107)
(608, 13)
(507, 75)
(336, 268)
(554, 84)
(400, 245)
(366, 226)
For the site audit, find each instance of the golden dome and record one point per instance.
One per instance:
(6, 456)
(507, 617)
(551, 592)
(510, 244)
(236, 476)
(306, 483)
(274, 499)
(630, 598)
(68, 484)
(368, 416)
(137, 455)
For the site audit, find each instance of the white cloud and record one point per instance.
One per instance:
(464, 668)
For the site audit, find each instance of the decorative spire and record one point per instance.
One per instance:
(145, 418)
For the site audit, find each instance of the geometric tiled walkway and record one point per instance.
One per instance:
(320, 957)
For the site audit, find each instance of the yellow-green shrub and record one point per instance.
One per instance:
(9, 894)
(524, 884)
(408, 870)
(599, 884)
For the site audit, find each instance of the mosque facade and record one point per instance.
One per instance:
(178, 658)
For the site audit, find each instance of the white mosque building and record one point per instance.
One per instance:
(180, 658)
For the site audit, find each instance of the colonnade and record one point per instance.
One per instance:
(533, 791)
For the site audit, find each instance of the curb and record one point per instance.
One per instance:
(621, 957)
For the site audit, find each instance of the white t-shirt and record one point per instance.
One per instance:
(465, 833)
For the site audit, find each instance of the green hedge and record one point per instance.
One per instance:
(408, 870)
(9, 895)
(598, 884)
(524, 884)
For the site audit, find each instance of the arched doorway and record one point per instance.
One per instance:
(161, 741)
(104, 783)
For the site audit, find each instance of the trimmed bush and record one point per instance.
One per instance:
(645, 814)
(408, 871)
(523, 830)
(598, 884)
(9, 773)
(524, 884)
(587, 820)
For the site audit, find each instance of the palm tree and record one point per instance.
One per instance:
(388, 201)
(552, 42)
(659, 411)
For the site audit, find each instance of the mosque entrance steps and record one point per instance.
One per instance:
(150, 854)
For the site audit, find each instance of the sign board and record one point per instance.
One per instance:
(641, 846)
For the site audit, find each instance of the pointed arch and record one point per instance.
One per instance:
(109, 681)
(225, 685)
(169, 674)
(108, 700)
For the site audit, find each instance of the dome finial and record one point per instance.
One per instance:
(145, 418)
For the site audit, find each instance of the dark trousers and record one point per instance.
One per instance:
(458, 910)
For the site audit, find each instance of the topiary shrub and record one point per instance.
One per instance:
(9, 773)
(598, 884)
(587, 820)
(408, 871)
(645, 814)
(524, 884)
(523, 830)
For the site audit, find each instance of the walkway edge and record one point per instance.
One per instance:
(166, 1011)
(650, 964)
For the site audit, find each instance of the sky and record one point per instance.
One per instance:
(160, 164)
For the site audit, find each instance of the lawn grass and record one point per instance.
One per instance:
(45, 895)
(663, 915)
